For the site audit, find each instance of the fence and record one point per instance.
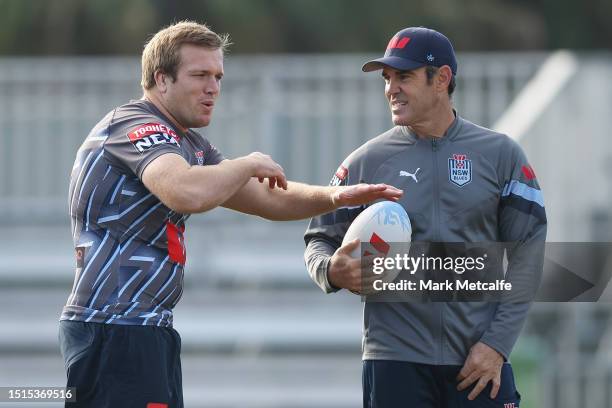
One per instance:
(308, 112)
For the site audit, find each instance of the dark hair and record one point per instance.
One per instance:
(430, 70)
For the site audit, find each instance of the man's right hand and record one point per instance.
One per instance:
(345, 271)
(262, 167)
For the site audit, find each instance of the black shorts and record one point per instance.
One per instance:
(400, 384)
(116, 366)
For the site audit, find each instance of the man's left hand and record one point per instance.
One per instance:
(482, 365)
(364, 193)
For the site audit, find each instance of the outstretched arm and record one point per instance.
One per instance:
(300, 201)
(191, 189)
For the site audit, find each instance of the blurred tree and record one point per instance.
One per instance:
(30, 27)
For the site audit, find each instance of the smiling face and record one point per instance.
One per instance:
(190, 98)
(412, 99)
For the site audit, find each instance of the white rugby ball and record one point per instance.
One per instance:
(387, 227)
(381, 224)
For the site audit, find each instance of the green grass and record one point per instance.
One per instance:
(526, 359)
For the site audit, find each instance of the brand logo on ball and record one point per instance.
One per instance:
(149, 135)
(459, 169)
(379, 244)
(393, 216)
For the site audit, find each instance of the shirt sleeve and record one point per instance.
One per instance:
(325, 232)
(214, 156)
(522, 228)
(135, 146)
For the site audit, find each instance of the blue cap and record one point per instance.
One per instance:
(415, 47)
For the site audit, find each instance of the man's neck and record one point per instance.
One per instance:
(436, 125)
(155, 100)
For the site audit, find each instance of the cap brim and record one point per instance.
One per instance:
(401, 64)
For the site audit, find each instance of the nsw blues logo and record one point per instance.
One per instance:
(459, 169)
(339, 177)
(200, 157)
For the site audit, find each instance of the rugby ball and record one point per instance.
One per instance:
(381, 225)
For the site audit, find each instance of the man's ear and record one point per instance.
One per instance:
(443, 79)
(160, 80)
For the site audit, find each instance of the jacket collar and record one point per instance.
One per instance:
(451, 133)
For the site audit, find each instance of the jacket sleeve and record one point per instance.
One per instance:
(522, 229)
(317, 256)
(325, 232)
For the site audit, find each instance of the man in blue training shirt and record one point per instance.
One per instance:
(136, 178)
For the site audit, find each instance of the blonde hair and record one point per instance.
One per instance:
(162, 52)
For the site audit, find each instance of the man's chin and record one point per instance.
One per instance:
(398, 120)
(200, 123)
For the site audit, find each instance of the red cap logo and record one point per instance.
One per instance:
(398, 43)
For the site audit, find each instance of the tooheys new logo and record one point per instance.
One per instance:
(149, 135)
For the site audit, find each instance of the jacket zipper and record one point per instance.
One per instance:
(436, 235)
(436, 220)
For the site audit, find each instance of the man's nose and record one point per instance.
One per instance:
(392, 87)
(213, 87)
